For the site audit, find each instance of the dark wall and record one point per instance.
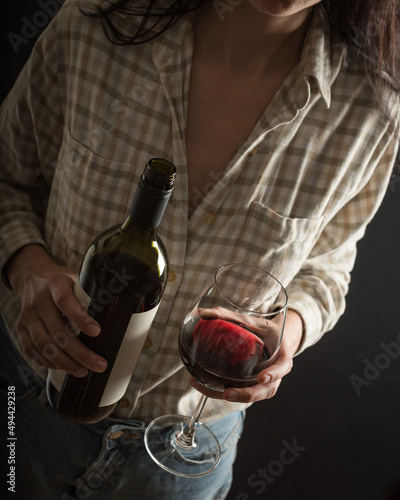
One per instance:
(340, 405)
(333, 430)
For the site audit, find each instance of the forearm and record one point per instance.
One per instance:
(28, 151)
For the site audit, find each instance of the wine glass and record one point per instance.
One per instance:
(231, 333)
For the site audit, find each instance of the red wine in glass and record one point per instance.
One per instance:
(221, 353)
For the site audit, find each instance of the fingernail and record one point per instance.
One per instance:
(93, 329)
(100, 366)
(232, 396)
(265, 379)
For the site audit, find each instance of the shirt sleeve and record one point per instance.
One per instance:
(318, 291)
(31, 124)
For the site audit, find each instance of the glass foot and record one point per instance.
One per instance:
(179, 454)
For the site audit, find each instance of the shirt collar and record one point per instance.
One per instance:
(321, 56)
(170, 41)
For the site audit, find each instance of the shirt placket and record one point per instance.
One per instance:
(173, 229)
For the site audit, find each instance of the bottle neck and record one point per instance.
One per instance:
(147, 209)
(148, 233)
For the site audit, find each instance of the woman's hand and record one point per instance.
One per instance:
(48, 308)
(269, 379)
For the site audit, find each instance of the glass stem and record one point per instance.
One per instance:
(185, 438)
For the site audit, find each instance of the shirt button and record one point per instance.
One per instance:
(171, 276)
(124, 403)
(253, 151)
(116, 434)
(148, 343)
(209, 217)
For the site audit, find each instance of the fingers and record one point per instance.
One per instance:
(47, 338)
(44, 352)
(29, 349)
(251, 394)
(60, 288)
(52, 344)
(282, 366)
(268, 380)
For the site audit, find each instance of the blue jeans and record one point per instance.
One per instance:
(58, 459)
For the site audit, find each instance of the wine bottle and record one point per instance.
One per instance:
(120, 283)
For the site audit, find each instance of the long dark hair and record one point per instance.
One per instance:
(153, 18)
(370, 27)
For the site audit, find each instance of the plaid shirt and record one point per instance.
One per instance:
(85, 116)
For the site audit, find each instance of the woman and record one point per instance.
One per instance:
(269, 111)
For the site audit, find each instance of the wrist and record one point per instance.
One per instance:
(20, 265)
(294, 330)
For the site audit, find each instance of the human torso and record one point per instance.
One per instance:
(269, 208)
(222, 112)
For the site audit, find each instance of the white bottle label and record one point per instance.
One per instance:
(127, 357)
(57, 378)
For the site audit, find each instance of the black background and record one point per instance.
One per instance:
(348, 442)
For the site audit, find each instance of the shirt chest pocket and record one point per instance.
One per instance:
(93, 194)
(278, 244)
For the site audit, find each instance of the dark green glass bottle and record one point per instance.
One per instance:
(121, 281)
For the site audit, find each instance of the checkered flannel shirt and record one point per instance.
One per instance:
(85, 116)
